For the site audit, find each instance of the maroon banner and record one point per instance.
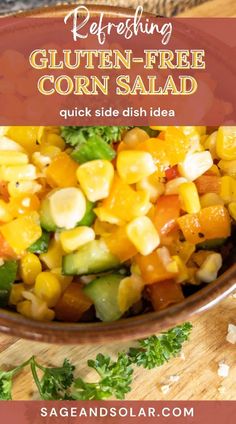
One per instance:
(93, 71)
(189, 412)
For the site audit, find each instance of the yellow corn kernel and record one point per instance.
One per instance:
(64, 280)
(102, 228)
(50, 151)
(17, 188)
(52, 258)
(200, 256)
(210, 267)
(201, 129)
(3, 130)
(193, 135)
(130, 291)
(55, 140)
(16, 293)
(26, 136)
(232, 210)
(10, 145)
(133, 166)
(47, 287)
(105, 216)
(182, 270)
(189, 197)
(67, 206)
(24, 308)
(172, 186)
(30, 267)
(226, 143)
(40, 161)
(210, 199)
(228, 189)
(164, 255)
(13, 158)
(135, 136)
(22, 232)
(19, 172)
(228, 167)
(73, 239)
(95, 178)
(142, 233)
(195, 164)
(35, 308)
(210, 144)
(167, 261)
(152, 186)
(5, 215)
(143, 206)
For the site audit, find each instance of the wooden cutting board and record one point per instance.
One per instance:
(197, 373)
(212, 8)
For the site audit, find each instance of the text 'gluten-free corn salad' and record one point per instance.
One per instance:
(106, 222)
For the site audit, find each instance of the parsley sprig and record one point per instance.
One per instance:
(155, 351)
(114, 376)
(75, 135)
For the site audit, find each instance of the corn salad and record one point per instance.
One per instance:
(102, 222)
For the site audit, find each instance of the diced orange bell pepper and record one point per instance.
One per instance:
(126, 203)
(152, 269)
(161, 135)
(172, 173)
(119, 244)
(62, 171)
(4, 195)
(166, 214)
(6, 252)
(23, 205)
(72, 304)
(176, 145)
(22, 232)
(191, 228)
(215, 221)
(156, 147)
(210, 223)
(208, 184)
(165, 293)
(122, 146)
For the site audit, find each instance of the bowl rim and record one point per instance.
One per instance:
(139, 326)
(125, 329)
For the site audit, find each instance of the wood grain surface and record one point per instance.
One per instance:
(213, 8)
(207, 347)
(197, 372)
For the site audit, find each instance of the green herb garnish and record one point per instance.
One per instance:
(114, 376)
(75, 136)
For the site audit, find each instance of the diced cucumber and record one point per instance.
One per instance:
(8, 273)
(92, 258)
(40, 245)
(48, 224)
(103, 291)
(89, 216)
(46, 220)
(211, 244)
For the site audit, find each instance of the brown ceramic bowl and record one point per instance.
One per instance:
(124, 329)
